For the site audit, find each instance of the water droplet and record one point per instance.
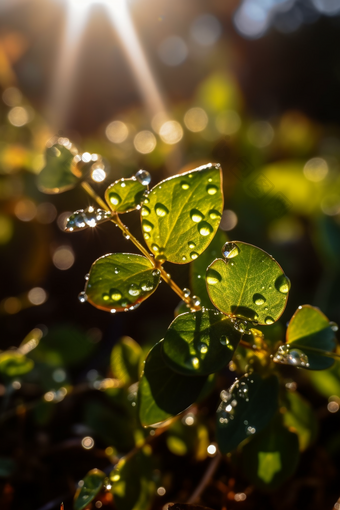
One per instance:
(204, 228)
(146, 200)
(211, 189)
(333, 325)
(147, 287)
(143, 177)
(230, 250)
(155, 247)
(196, 215)
(288, 356)
(269, 320)
(116, 270)
(161, 210)
(134, 290)
(105, 296)
(113, 310)
(147, 226)
(213, 277)
(297, 357)
(258, 299)
(193, 255)
(224, 340)
(87, 276)
(185, 185)
(82, 296)
(225, 395)
(146, 236)
(184, 258)
(145, 211)
(114, 198)
(156, 272)
(161, 257)
(191, 245)
(186, 292)
(196, 300)
(195, 362)
(214, 215)
(203, 348)
(282, 284)
(242, 389)
(115, 295)
(250, 430)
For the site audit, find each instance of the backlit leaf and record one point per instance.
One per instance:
(327, 382)
(246, 408)
(162, 392)
(125, 195)
(300, 418)
(57, 176)
(181, 214)
(120, 281)
(13, 363)
(200, 343)
(248, 283)
(93, 483)
(125, 360)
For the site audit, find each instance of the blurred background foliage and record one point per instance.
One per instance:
(252, 85)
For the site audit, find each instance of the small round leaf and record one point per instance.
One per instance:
(93, 483)
(57, 176)
(125, 195)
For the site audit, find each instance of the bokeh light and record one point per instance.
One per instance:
(173, 51)
(63, 258)
(260, 134)
(196, 119)
(37, 296)
(205, 30)
(315, 170)
(145, 142)
(228, 122)
(117, 131)
(171, 132)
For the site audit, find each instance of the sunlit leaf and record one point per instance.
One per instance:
(248, 283)
(198, 268)
(271, 457)
(181, 214)
(133, 487)
(57, 176)
(162, 392)
(13, 364)
(300, 418)
(120, 281)
(93, 483)
(125, 360)
(327, 382)
(88, 218)
(125, 195)
(200, 343)
(246, 408)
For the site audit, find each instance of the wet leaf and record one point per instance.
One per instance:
(200, 343)
(133, 487)
(13, 364)
(120, 281)
(125, 195)
(181, 214)
(162, 392)
(198, 268)
(88, 218)
(246, 408)
(125, 360)
(57, 176)
(248, 283)
(93, 483)
(271, 457)
(309, 327)
(300, 418)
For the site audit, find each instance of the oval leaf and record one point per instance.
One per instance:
(300, 418)
(57, 176)
(88, 218)
(125, 360)
(125, 195)
(248, 284)
(121, 281)
(270, 458)
(246, 408)
(181, 214)
(93, 483)
(13, 363)
(162, 392)
(200, 343)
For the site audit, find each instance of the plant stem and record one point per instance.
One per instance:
(206, 478)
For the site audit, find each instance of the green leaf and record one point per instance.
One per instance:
(125, 360)
(246, 408)
(57, 176)
(200, 343)
(13, 364)
(125, 195)
(120, 281)
(309, 327)
(133, 487)
(248, 283)
(181, 214)
(163, 393)
(271, 457)
(93, 483)
(327, 383)
(198, 268)
(300, 418)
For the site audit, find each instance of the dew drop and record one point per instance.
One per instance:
(146, 200)
(258, 299)
(211, 189)
(145, 211)
(195, 362)
(116, 270)
(105, 296)
(147, 287)
(155, 247)
(87, 276)
(213, 277)
(203, 348)
(230, 250)
(186, 292)
(191, 245)
(334, 327)
(193, 255)
(224, 340)
(242, 389)
(196, 300)
(196, 215)
(134, 290)
(185, 185)
(161, 257)
(269, 320)
(204, 228)
(115, 295)
(146, 236)
(214, 215)
(114, 199)
(82, 296)
(184, 258)
(225, 395)
(147, 226)
(156, 272)
(143, 177)
(113, 310)
(161, 210)
(282, 284)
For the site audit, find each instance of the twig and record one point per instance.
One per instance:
(206, 478)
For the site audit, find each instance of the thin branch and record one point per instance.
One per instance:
(208, 475)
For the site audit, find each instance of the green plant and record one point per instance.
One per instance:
(232, 323)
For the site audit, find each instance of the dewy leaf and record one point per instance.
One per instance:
(309, 327)
(181, 214)
(125, 195)
(162, 392)
(271, 457)
(200, 343)
(13, 363)
(120, 281)
(248, 283)
(125, 360)
(246, 408)
(93, 483)
(300, 418)
(57, 176)
(132, 482)
(88, 218)
(198, 268)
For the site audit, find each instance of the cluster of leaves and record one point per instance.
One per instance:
(241, 296)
